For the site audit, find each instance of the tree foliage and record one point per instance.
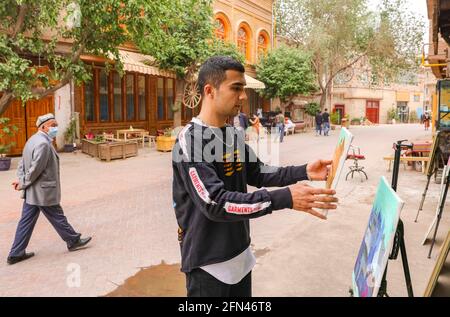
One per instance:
(188, 38)
(341, 34)
(312, 109)
(286, 72)
(59, 32)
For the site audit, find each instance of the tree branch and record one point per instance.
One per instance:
(344, 68)
(316, 66)
(41, 92)
(5, 100)
(20, 20)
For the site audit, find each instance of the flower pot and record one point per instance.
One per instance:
(165, 143)
(69, 148)
(5, 163)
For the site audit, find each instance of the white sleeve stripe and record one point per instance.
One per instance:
(199, 186)
(246, 209)
(182, 141)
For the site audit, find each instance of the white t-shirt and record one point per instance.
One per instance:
(232, 271)
(236, 122)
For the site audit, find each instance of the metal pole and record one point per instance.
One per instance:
(423, 197)
(405, 260)
(399, 234)
(441, 209)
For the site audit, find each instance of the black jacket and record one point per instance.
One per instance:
(210, 198)
(318, 119)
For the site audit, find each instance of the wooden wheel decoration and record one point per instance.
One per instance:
(191, 97)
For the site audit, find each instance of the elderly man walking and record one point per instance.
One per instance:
(38, 179)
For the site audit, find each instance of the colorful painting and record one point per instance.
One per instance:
(377, 242)
(339, 157)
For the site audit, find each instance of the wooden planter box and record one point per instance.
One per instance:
(90, 147)
(117, 150)
(165, 143)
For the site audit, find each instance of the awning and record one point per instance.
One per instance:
(253, 83)
(402, 96)
(136, 62)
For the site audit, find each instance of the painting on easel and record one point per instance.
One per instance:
(377, 242)
(339, 157)
(440, 262)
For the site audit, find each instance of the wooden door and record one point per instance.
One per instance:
(36, 108)
(24, 118)
(16, 113)
(373, 111)
(341, 110)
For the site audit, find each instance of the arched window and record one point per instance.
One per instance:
(263, 44)
(244, 42)
(221, 30)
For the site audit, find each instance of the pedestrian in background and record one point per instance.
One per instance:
(39, 180)
(256, 125)
(326, 122)
(318, 123)
(279, 119)
(426, 120)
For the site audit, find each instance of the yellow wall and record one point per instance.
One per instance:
(256, 14)
(403, 96)
(434, 112)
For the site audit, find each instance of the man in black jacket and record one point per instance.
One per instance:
(318, 123)
(212, 167)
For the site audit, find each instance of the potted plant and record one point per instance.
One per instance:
(392, 115)
(7, 131)
(334, 119)
(413, 117)
(311, 109)
(69, 136)
(345, 121)
(166, 142)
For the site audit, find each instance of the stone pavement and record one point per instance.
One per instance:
(126, 206)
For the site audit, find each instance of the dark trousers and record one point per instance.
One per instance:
(200, 283)
(30, 215)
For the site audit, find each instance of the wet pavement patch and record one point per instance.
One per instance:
(261, 252)
(158, 280)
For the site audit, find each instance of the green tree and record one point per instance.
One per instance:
(286, 72)
(7, 132)
(339, 34)
(57, 32)
(312, 109)
(188, 41)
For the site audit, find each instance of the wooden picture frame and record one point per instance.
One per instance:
(433, 153)
(443, 253)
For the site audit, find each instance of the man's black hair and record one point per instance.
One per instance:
(213, 71)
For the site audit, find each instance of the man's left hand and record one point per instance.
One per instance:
(15, 184)
(318, 170)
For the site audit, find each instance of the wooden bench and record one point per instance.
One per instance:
(404, 159)
(299, 127)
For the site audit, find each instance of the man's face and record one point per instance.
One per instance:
(47, 125)
(228, 97)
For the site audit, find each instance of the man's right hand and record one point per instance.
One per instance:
(306, 198)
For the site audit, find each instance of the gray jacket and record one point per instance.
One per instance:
(38, 172)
